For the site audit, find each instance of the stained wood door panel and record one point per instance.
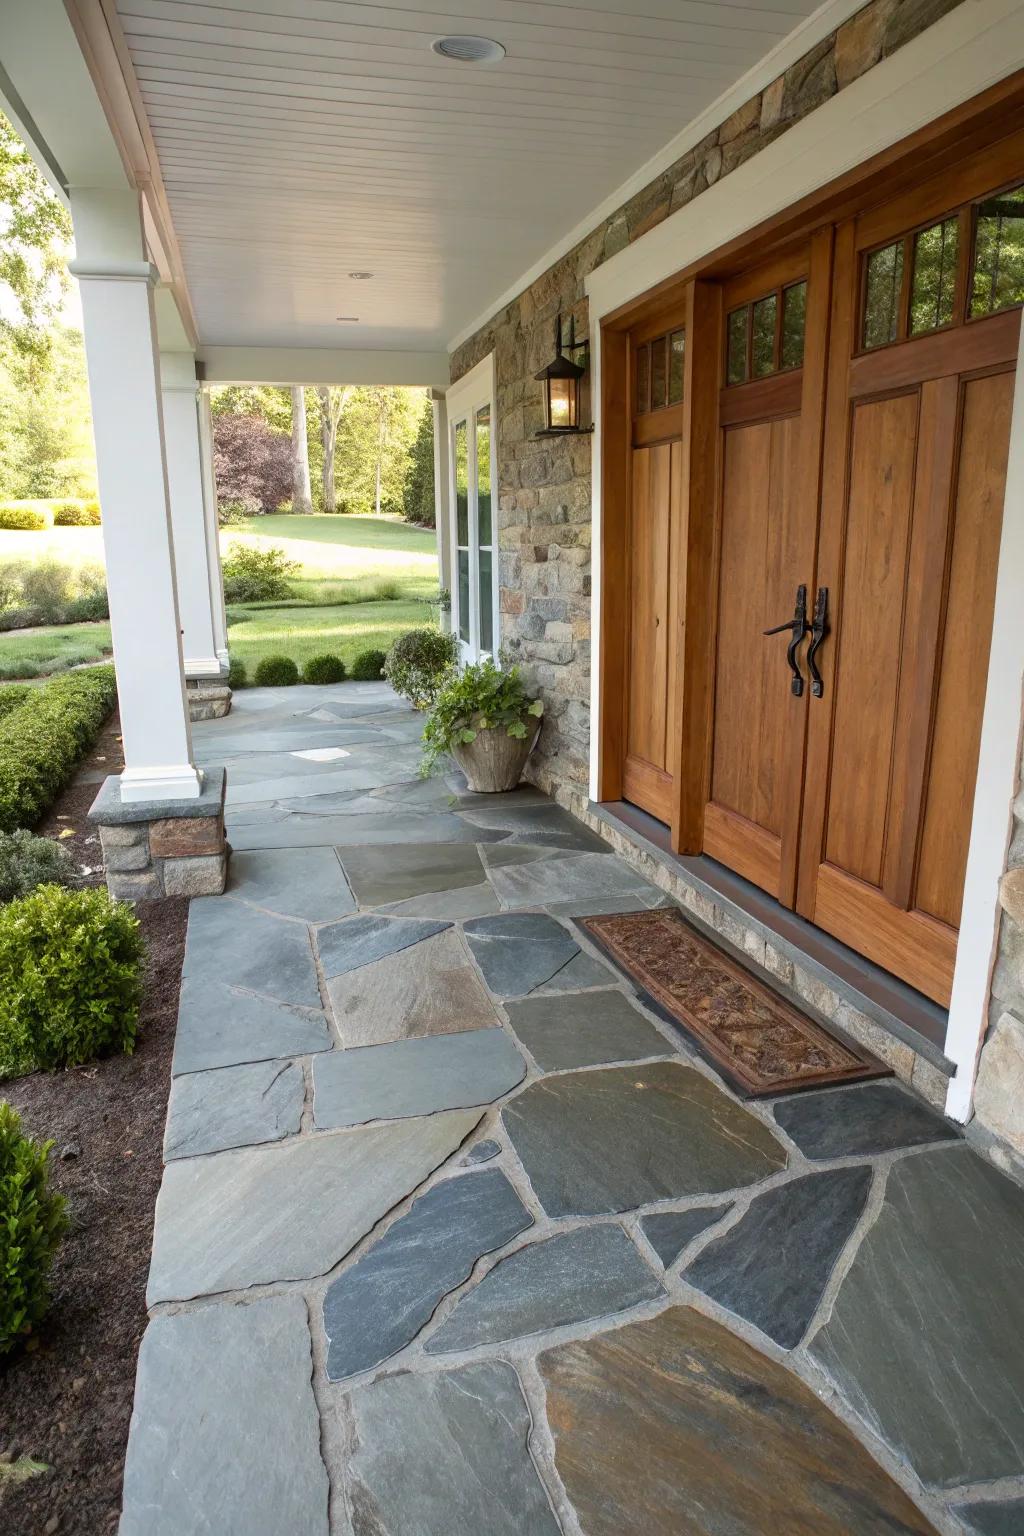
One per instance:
(910, 944)
(750, 850)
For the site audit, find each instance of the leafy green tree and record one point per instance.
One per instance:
(35, 231)
(418, 496)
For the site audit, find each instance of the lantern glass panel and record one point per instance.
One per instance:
(562, 401)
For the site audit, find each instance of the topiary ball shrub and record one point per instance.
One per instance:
(27, 861)
(34, 1221)
(420, 663)
(70, 979)
(368, 667)
(237, 674)
(276, 672)
(324, 669)
(24, 518)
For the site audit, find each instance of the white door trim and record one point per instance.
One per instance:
(970, 49)
(463, 400)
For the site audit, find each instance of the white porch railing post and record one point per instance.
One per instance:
(121, 355)
(179, 392)
(220, 621)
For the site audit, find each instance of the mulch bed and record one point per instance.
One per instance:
(68, 1401)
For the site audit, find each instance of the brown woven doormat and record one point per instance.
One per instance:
(759, 1042)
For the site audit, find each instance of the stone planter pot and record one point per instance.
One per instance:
(494, 762)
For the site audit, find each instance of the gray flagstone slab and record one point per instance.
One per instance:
(221, 1026)
(346, 946)
(993, 1519)
(574, 874)
(429, 988)
(578, 1031)
(199, 1466)
(772, 1267)
(260, 1214)
(669, 1232)
(234, 945)
(414, 1077)
(583, 971)
(379, 1305)
(614, 1138)
(233, 1107)
(446, 1453)
(305, 883)
(926, 1336)
(384, 874)
(519, 951)
(471, 901)
(570, 1278)
(859, 1121)
(481, 1153)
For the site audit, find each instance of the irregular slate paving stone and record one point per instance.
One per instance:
(481, 1153)
(347, 945)
(582, 972)
(260, 1214)
(991, 1519)
(609, 1140)
(446, 1453)
(195, 1463)
(676, 1426)
(471, 901)
(573, 874)
(221, 1026)
(589, 1272)
(233, 1107)
(669, 1232)
(428, 989)
(528, 822)
(519, 951)
(576, 1031)
(772, 1267)
(234, 945)
(304, 883)
(860, 1121)
(414, 1077)
(497, 855)
(379, 1305)
(380, 875)
(926, 1336)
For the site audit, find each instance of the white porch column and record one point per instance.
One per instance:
(179, 392)
(220, 621)
(441, 509)
(120, 342)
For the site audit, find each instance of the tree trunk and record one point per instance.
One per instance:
(302, 494)
(328, 439)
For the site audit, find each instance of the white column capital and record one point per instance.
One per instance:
(114, 271)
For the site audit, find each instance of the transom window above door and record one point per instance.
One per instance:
(659, 372)
(766, 336)
(962, 267)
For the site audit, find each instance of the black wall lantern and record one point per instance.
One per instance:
(561, 380)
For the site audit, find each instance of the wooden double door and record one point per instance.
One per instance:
(862, 386)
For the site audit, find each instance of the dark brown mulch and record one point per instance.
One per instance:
(68, 1402)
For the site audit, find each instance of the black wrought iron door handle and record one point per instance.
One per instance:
(819, 629)
(798, 626)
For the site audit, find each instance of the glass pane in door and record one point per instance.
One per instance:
(486, 602)
(483, 474)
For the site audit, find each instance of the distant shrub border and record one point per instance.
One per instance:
(34, 1223)
(45, 736)
(324, 669)
(368, 667)
(25, 519)
(76, 514)
(275, 672)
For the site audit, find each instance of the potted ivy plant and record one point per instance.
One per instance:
(485, 719)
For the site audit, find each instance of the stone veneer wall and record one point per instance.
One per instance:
(544, 491)
(998, 1125)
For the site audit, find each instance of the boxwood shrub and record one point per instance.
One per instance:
(238, 675)
(27, 861)
(44, 737)
(11, 697)
(70, 979)
(25, 518)
(420, 663)
(368, 667)
(34, 1221)
(76, 514)
(324, 669)
(276, 672)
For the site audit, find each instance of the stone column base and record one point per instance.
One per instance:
(209, 698)
(155, 848)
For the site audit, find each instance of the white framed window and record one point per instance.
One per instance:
(472, 514)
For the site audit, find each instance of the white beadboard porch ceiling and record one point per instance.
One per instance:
(301, 140)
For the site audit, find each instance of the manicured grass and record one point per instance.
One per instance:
(349, 551)
(78, 546)
(53, 648)
(304, 632)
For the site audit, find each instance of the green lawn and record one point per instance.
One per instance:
(363, 581)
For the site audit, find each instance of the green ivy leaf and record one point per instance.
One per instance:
(518, 729)
(536, 708)
(467, 734)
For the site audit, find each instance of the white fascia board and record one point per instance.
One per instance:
(322, 365)
(819, 25)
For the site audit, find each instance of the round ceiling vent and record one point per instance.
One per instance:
(469, 50)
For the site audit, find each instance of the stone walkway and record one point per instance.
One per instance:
(456, 1239)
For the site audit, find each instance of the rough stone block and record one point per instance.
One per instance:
(203, 876)
(1011, 895)
(130, 887)
(999, 1092)
(173, 838)
(859, 44)
(134, 857)
(123, 837)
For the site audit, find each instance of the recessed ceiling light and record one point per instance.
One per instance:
(348, 319)
(469, 50)
(360, 277)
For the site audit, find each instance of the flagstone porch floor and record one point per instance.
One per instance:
(456, 1239)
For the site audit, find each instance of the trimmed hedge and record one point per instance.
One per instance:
(34, 1223)
(12, 697)
(76, 514)
(25, 518)
(238, 675)
(44, 738)
(324, 669)
(275, 672)
(368, 667)
(70, 979)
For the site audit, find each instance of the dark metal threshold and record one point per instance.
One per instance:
(889, 1002)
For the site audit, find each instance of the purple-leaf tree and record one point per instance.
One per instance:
(252, 463)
